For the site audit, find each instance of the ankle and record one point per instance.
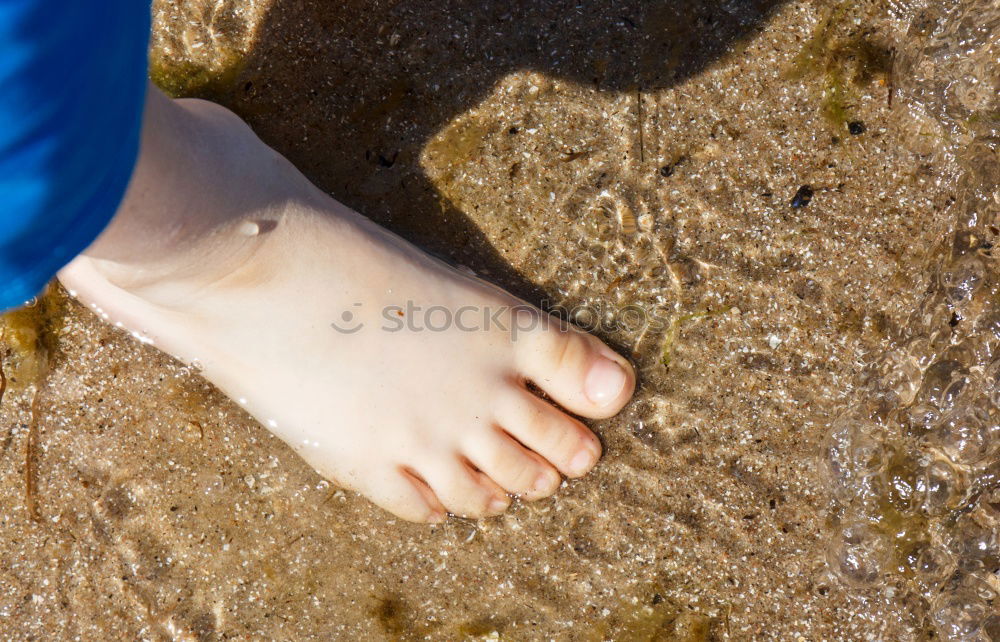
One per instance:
(200, 176)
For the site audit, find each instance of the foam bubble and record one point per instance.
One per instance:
(860, 556)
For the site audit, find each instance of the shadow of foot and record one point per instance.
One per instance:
(352, 92)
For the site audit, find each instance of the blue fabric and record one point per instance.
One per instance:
(72, 90)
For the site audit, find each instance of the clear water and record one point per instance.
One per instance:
(811, 453)
(915, 460)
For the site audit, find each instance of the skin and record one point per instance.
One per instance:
(316, 320)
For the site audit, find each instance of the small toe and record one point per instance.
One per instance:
(464, 491)
(578, 371)
(516, 469)
(562, 440)
(405, 495)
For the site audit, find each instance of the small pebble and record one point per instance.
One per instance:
(802, 197)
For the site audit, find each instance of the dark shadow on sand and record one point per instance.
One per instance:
(351, 91)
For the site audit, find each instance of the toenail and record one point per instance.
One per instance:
(582, 462)
(543, 483)
(498, 506)
(436, 517)
(604, 382)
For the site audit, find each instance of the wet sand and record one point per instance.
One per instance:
(598, 160)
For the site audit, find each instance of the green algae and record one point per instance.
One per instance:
(394, 615)
(450, 151)
(650, 619)
(486, 628)
(907, 532)
(814, 52)
(843, 63)
(399, 620)
(30, 338)
(181, 78)
(898, 516)
(455, 145)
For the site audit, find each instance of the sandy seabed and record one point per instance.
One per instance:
(779, 188)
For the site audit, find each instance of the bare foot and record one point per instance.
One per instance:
(388, 371)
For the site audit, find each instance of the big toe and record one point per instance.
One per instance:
(576, 369)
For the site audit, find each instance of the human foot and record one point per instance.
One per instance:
(333, 332)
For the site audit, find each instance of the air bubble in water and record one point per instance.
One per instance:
(901, 376)
(992, 627)
(852, 453)
(958, 614)
(966, 435)
(943, 381)
(941, 486)
(961, 280)
(936, 499)
(933, 565)
(974, 542)
(860, 555)
(921, 419)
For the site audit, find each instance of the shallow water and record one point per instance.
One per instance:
(624, 164)
(915, 459)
